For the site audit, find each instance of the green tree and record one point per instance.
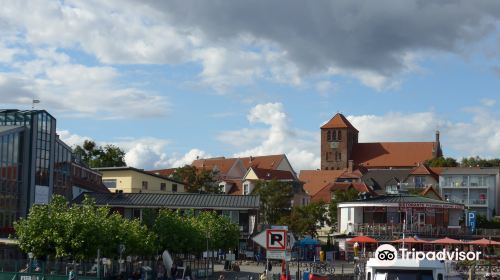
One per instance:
(442, 162)
(98, 156)
(275, 199)
(197, 180)
(58, 230)
(223, 233)
(479, 162)
(338, 197)
(306, 219)
(176, 233)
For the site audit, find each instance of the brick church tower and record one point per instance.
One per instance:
(338, 137)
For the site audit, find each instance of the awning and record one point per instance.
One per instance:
(410, 240)
(362, 239)
(484, 242)
(447, 241)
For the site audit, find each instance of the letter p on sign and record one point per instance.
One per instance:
(276, 239)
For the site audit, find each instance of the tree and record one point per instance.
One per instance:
(275, 199)
(223, 233)
(338, 197)
(197, 180)
(58, 230)
(306, 219)
(479, 162)
(442, 162)
(176, 233)
(97, 156)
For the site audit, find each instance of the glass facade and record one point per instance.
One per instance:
(62, 169)
(11, 177)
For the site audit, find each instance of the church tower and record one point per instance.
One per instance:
(338, 137)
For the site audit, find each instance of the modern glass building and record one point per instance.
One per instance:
(35, 164)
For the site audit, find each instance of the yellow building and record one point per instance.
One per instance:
(133, 180)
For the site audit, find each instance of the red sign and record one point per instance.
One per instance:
(276, 239)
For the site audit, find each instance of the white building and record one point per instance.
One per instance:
(477, 188)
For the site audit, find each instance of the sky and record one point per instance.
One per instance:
(169, 81)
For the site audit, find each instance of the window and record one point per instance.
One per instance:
(246, 189)
(144, 185)
(329, 135)
(163, 186)
(109, 183)
(420, 181)
(174, 187)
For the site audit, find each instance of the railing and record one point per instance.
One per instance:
(396, 230)
(478, 201)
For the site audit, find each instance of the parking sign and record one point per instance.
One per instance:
(276, 239)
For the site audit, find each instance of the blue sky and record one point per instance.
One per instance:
(169, 81)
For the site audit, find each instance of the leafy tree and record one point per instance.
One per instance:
(479, 162)
(306, 219)
(58, 230)
(275, 199)
(97, 156)
(338, 197)
(223, 233)
(197, 180)
(177, 233)
(442, 162)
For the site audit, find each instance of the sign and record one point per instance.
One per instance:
(276, 239)
(41, 194)
(472, 220)
(260, 239)
(279, 255)
(430, 205)
(291, 240)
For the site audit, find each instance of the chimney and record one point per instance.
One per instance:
(251, 159)
(350, 165)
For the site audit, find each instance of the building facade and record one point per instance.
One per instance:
(34, 165)
(477, 188)
(340, 149)
(133, 180)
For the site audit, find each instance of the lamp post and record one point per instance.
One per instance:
(206, 264)
(30, 256)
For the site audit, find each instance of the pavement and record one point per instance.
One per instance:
(252, 270)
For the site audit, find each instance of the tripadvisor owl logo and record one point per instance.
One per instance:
(387, 254)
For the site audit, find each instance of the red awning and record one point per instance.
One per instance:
(447, 241)
(410, 240)
(362, 239)
(484, 242)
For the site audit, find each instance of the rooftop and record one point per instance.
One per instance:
(392, 154)
(471, 171)
(129, 168)
(175, 201)
(338, 121)
(390, 200)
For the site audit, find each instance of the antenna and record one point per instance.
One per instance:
(35, 101)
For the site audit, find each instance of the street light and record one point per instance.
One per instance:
(206, 266)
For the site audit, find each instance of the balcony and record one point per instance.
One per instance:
(481, 202)
(397, 230)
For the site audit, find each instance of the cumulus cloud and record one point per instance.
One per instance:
(238, 42)
(145, 152)
(77, 90)
(477, 137)
(279, 137)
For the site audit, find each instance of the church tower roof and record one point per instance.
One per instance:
(338, 121)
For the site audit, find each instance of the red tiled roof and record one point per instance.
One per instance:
(221, 163)
(325, 193)
(430, 189)
(424, 170)
(315, 180)
(338, 121)
(237, 188)
(163, 172)
(265, 162)
(392, 154)
(269, 174)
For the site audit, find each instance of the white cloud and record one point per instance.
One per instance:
(299, 146)
(488, 102)
(478, 137)
(77, 90)
(72, 139)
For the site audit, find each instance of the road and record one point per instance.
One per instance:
(252, 270)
